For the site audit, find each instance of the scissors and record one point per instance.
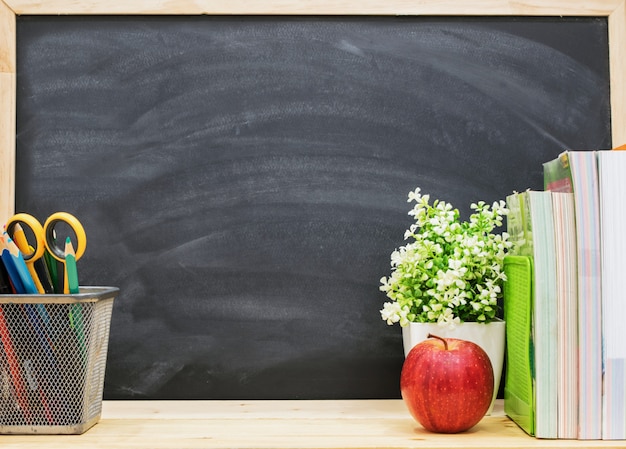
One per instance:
(44, 242)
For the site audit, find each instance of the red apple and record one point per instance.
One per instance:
(447, 384)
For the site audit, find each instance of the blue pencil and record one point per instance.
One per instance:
(10, 266)
(20, 265)
(21, 271)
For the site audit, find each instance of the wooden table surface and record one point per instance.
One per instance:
(281, 424)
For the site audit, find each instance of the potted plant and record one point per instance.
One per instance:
(447, 279)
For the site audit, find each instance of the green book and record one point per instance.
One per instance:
(531, 228)
(557, 175)
(518, 384)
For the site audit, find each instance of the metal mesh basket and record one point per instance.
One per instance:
(52, 360)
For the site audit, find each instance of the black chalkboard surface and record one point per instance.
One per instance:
(243, 180)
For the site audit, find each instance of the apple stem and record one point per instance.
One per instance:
(445, 343)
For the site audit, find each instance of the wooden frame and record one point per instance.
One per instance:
(615, 10)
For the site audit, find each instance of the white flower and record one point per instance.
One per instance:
(447, 264)
(396, 258)
(385, 287)
(448, 318)
(414, 195)
(391, 312)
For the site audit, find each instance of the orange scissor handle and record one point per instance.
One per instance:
(57, 249)
(31, 226)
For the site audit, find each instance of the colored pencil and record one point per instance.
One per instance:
(36, 267)
(52, 376)
(52, 266)
(34, 314)
(14, 367)
(71, 287)
(14, 275)
(20, 265)
(22, 271)
(71, 272)
(22, 244)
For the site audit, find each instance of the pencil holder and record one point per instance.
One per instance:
(52, 360)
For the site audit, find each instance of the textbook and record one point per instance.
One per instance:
(576, 171)
(530, 224)
(612, 184)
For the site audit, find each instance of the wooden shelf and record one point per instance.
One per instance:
(281, 424)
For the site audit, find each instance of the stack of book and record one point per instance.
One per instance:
(564, 301)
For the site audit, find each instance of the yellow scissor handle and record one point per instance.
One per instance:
(35, 229)
(53, 247)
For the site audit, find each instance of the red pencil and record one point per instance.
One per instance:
(14, 367)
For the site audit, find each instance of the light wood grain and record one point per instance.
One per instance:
(393, 7)
(282, 424)
(277, 409)
(7, 111)
(7, 39)
(7, 144)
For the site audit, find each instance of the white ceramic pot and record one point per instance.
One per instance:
(489, 336)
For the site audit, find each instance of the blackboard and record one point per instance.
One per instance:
(243, 180)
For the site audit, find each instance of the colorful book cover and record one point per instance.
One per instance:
(557, 176)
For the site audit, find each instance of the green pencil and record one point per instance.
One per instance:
(71, 272)
(72, 287)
